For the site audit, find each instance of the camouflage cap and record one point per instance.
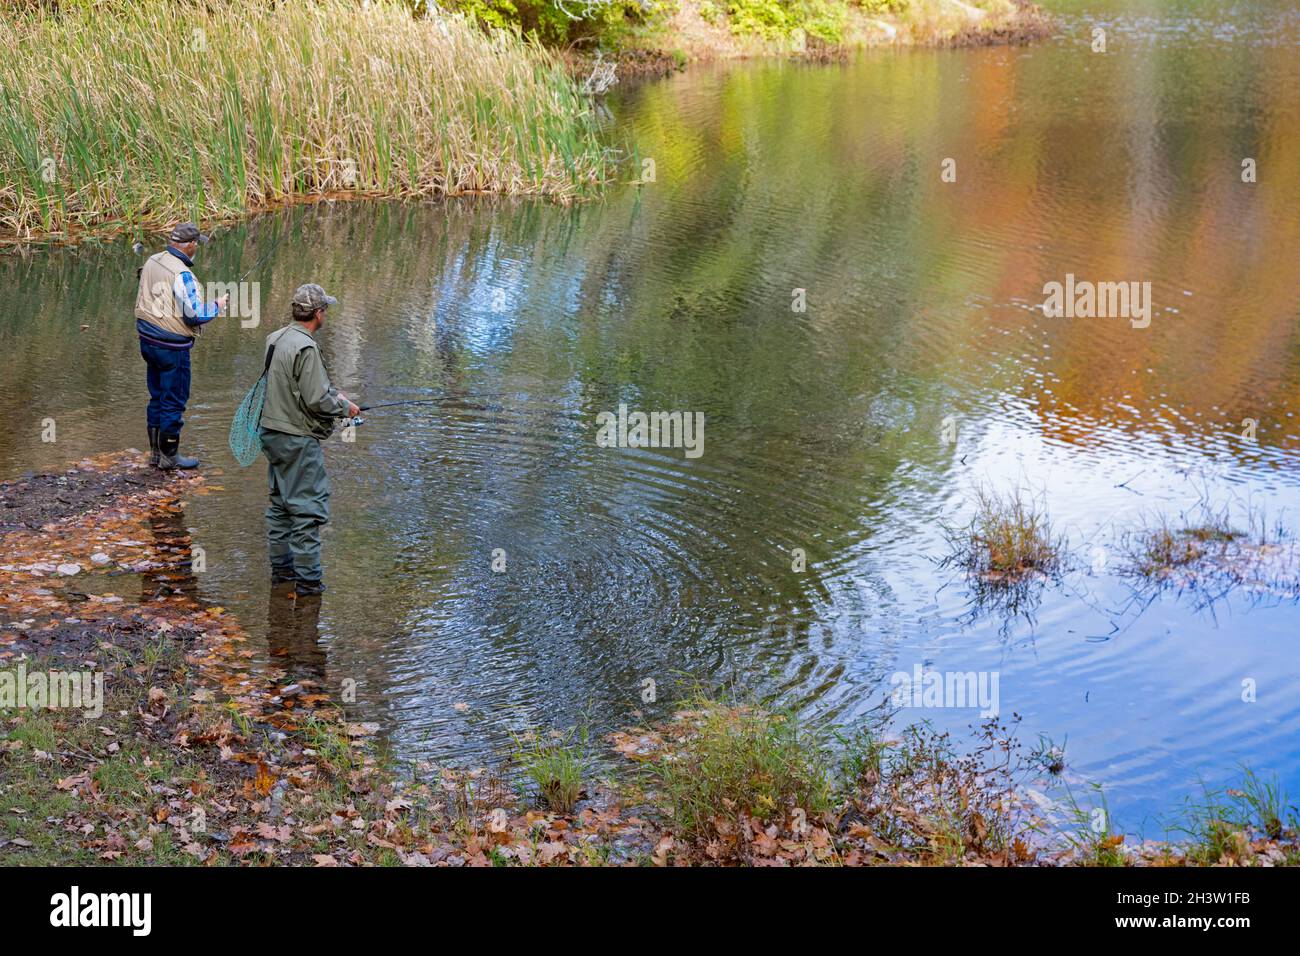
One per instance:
(310, 297)
(187, 232)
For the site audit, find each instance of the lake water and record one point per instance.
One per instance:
(825, 428)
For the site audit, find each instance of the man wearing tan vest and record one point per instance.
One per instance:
(169, 316)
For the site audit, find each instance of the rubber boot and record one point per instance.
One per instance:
(154, 432)
(305, 588)
(169, 455)
(282, 574)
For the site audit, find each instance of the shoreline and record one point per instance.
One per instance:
(686, 39)
(201, 758)
(689, 38)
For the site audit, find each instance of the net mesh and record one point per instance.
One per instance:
(245, 437)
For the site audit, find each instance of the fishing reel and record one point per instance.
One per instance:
(358, 420)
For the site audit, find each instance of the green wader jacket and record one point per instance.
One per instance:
(301, 409)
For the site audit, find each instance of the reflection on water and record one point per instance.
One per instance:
(824, 428)
(293, 638)
(174, 574)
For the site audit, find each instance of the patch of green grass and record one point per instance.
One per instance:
(1214, 827)
(32, 730)
(1221, 823)
(40, 748)
(862, 755)
(741, 761)
(32, 798)
(1091, 834)
(556, 765)
(1212, 836)
(332, 747)
(1264, 804)
(118, 781)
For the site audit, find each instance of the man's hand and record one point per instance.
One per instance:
(353, 409)
(221, 302)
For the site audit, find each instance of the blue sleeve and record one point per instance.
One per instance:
(193, 308)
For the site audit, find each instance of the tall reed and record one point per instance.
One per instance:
(131, 112)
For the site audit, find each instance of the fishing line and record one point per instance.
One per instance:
(358, 420)
(266, 255)
(138, 249)
(410, 401)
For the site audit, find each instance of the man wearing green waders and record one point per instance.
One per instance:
(300, 410)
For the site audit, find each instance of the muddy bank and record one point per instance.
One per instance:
(30, 502)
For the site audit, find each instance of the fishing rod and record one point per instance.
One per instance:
(266, 255)
(358, 420)
(138, 249)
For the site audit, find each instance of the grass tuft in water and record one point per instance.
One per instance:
(1008, 539)
(1162, 546)
(1206, 550)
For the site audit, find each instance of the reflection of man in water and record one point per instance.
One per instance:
(293, 637)
(172, 560)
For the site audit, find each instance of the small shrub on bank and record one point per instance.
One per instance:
(825, 20)
(920, 797)
(737, 784)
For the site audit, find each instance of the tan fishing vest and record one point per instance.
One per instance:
(156, 302)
